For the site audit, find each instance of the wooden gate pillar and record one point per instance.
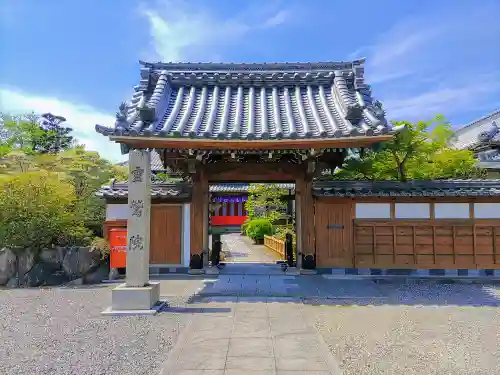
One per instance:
(200, 186)
(305, 209)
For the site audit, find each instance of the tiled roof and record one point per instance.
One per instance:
(443, 188)
(156, 163)
(483, 130)
(119, 190)
(243, 188)
(438, 188)
(251, 101)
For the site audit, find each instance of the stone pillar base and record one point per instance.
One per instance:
(127, 300)
(211, 270)
(292, 271)
(196, 272)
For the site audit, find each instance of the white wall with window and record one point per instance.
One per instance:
(412, 211)
(487, 210)
(116, 211)
(373, 210)
(452, 210)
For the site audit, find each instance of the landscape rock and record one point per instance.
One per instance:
(61, 252)
(75, 282)
(38, 275)
(113, 274)
(7, 265)
(52, 256)
(56, 278)
(79, 261)
(26, 261)
(98, 275)
(12, 283)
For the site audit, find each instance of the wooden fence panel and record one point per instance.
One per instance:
(427, 244)
(276, 245)
(333, 223)
(166, 223)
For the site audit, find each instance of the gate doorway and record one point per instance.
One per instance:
(231, 207)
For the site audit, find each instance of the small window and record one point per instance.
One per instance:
(487, 210)
(412, 211)
(451, 211)
(373, 210)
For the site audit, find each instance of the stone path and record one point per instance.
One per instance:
(245, 336)
(239, 248)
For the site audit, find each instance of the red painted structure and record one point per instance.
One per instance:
(228, 220)
(118, 247)
(223, 217)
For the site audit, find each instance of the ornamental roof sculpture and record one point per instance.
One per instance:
(483, 136)
(251, 101)
(483, 130)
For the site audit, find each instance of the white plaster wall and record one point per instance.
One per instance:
(116, 212)
(412, 211)
(451, 211)
(373, 210)
(186, 234)
(487, 210)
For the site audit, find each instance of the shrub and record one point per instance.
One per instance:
(258, 228)
(244, 226)
(102, 246)
(281, 231)
(38, 212)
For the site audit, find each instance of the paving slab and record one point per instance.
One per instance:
(252, 339)
(240, 249)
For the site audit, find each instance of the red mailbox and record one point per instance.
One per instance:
(118, 247)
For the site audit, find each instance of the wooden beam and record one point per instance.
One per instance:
(238, 144)
(307, 216)
(254, 172)
(197, 212)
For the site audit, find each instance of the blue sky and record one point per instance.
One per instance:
(80, 58)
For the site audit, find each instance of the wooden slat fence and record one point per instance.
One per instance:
(275, 244)
(466, 244)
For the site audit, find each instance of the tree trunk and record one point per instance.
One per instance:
(402, 172)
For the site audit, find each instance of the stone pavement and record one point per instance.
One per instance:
(280, 285)
(238, 248)
(232, 336)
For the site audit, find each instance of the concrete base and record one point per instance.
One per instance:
(125, 298)
(292, 271)
(308, 272)
(152, 311)
(211, 271)
(196, 272)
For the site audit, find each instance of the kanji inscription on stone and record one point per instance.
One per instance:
(138, 174)
(136, 243)
(137, 206)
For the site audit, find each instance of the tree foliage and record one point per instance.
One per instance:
(33, 147)
(419, 152)
(38, 211)
(265, 201)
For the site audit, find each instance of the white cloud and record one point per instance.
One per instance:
(453, 99)
(184, 32)
(440, 62)
(82, 118)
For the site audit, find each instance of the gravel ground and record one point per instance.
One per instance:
(417, 329)
(61, 331)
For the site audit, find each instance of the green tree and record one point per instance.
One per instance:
(55, 137)
(265, 201)
(38, 211)
(416, 153)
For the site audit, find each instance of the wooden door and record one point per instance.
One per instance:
(166, 223)
(333, 227)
